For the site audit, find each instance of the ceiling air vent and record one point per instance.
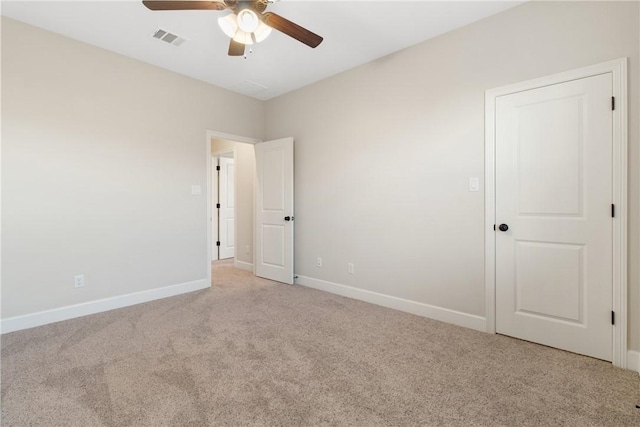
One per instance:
(248, 87)
(167, 37)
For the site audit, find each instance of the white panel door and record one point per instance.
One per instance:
(227, 208)
(554, 192)
(274, 210)
(214, 209)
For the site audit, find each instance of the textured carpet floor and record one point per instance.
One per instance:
(253, 352)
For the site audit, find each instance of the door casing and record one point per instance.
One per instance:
(618, 69)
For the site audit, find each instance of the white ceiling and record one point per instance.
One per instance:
(355, 32)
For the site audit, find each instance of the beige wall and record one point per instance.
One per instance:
(384, 152)
(99, 153)
(245, 163)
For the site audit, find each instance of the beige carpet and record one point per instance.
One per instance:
(254, 352)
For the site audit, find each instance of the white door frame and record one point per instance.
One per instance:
(618, 68)
(211, 134)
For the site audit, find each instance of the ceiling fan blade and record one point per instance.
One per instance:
(236, 49)
(291, 29)
(184, 5)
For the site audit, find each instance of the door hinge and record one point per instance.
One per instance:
(613, 317)
(613, 103)
(218, 205)
(218, 243)
(613, 210)
(217, 168)
(494, 227)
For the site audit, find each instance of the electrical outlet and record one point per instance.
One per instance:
(319, 262)
(350, 268)
(78, 281)
(246, 250)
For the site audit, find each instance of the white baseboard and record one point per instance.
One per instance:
(633, 360)
(40, 318)
(243, 265)
(425, 310)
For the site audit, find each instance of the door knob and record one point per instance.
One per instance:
(503, 227)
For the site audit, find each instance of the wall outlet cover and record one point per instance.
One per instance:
(78, 281)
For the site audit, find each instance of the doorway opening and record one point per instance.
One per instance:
(262, 225)
(230, 199)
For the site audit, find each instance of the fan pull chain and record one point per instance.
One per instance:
(250, 52)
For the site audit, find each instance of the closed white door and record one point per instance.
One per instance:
(553, 214)
(227, 208)
(274, 210)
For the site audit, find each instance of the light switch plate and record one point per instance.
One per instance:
(196, 190)
(474, 184)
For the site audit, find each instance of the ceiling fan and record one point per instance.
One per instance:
(247, 24)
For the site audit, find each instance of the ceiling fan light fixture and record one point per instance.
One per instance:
(262, 32)
(246, 23)
(243, 37)
(229, 24)
(248, 20)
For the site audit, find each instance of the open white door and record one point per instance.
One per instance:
(227, 208)
(274, 210)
